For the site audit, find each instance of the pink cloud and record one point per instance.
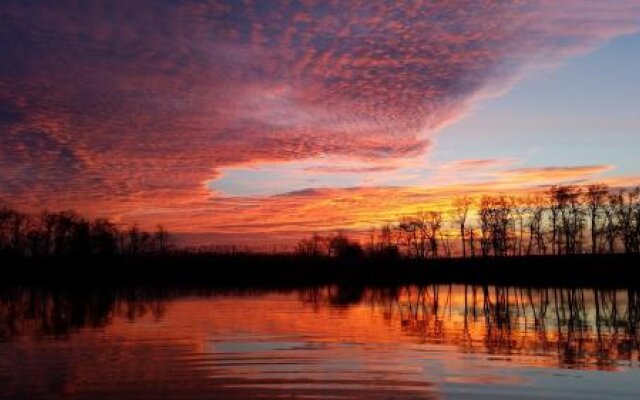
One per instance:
(132, 109)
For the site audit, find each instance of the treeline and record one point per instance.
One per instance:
(336, 245)
(563, 220)
(63, 234)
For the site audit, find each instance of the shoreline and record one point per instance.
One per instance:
(265, 270)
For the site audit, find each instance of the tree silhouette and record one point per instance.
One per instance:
(562, 220)
(462, 206)
(595, 197)
(66, 234)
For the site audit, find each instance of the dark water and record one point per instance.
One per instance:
(321, 343)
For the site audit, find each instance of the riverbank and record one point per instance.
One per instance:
(288, 270)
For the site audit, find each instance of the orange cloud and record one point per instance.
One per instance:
(282, 219)
(545, 175)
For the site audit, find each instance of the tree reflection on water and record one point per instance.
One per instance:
(583, 328)
(580, 327)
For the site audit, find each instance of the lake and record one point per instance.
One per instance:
(333, 342)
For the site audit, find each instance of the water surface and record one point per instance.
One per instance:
(327, 343)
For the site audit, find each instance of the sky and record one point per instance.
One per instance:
(244, 121)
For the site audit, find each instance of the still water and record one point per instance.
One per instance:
(334, 342)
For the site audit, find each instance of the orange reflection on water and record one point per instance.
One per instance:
(407, 342)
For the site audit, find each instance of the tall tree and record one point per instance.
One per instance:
(595, 198)
(461, 209)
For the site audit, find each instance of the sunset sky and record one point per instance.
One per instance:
(238, 121)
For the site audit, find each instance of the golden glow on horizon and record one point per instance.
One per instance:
(286, 218)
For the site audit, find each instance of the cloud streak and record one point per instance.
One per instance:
(286, 217)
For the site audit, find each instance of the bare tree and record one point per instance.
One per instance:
(497, 224)
(536, 226)
(554, 216)
(520, 210)
(461, 210)
(626, 206)
(407, 235)
(595, 198)
(64, 234)
(161, 238)
(307, 247)
(569, 218)
(610, 225)
(434, 222)
(472, 241)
